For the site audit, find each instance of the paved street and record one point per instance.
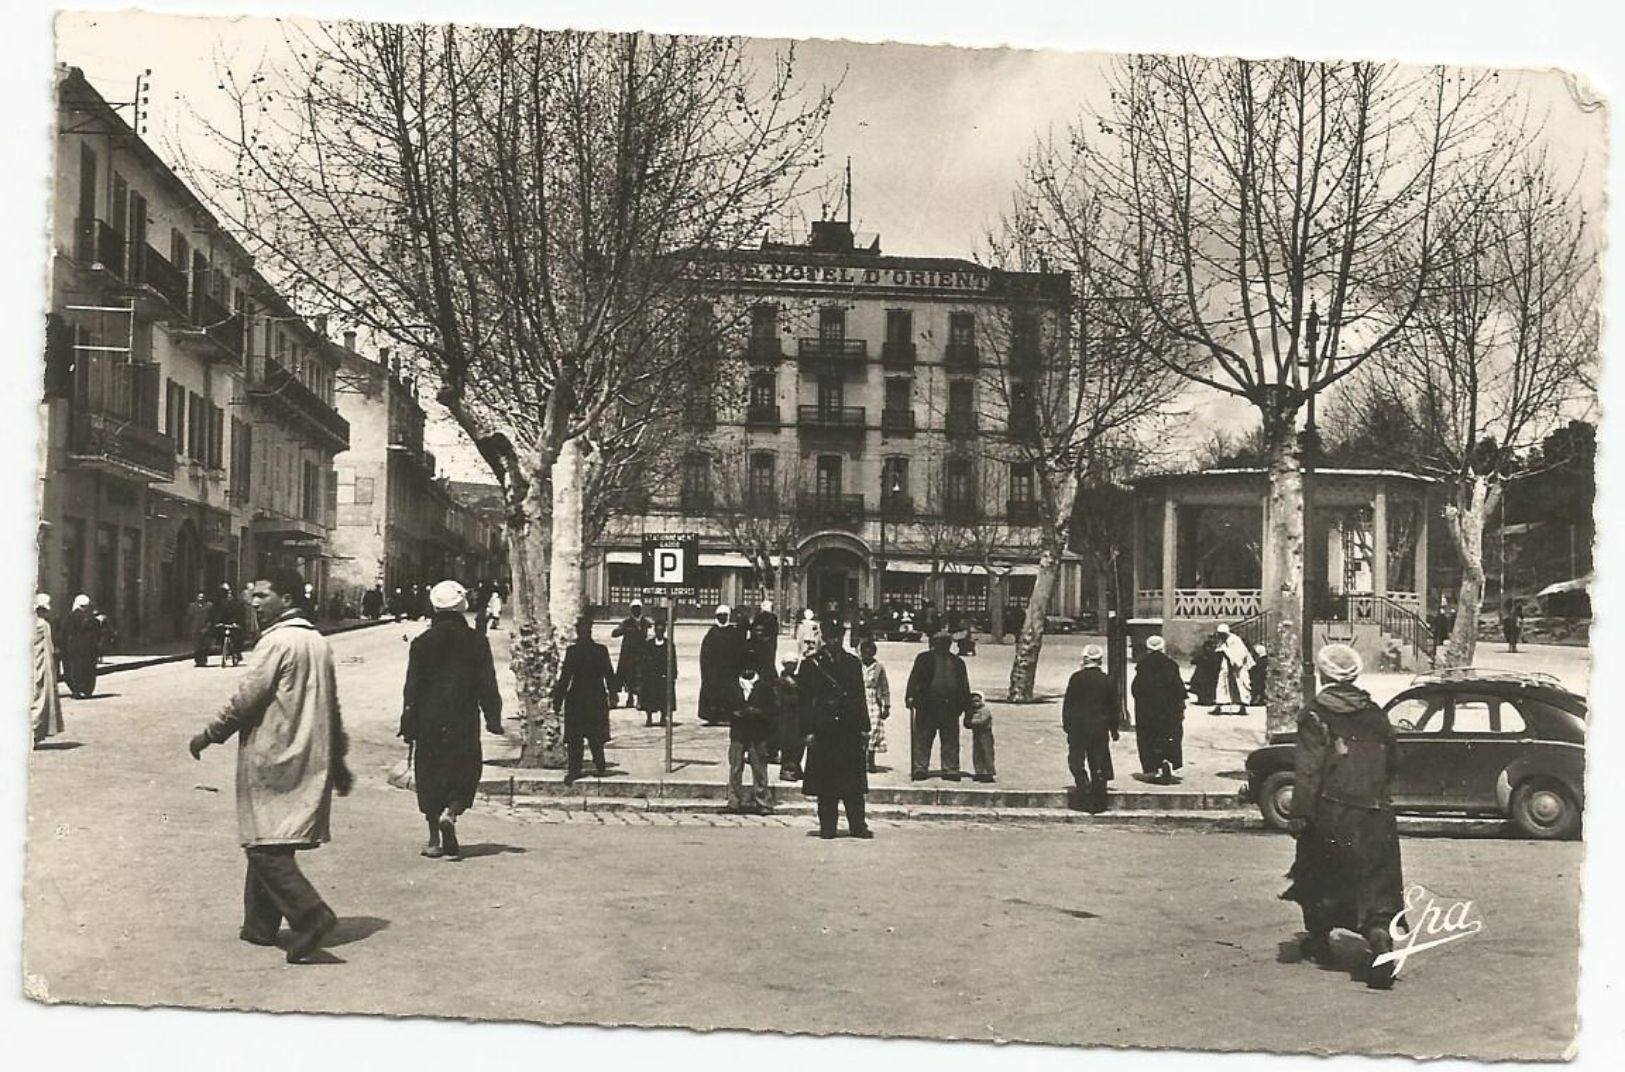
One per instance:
(1119, 936)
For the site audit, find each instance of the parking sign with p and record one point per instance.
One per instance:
(670, 559)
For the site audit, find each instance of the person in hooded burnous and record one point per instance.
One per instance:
(1235, 663)
(722, 653)
(45, 713)
(451, 680)
(81, 648)
(1346, 871)
(1159, 712)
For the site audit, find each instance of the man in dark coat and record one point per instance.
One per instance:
(372, 601)
(1159, 712)
(81, 647)
(655, 679)
(722, 653)
(1347, 870)
(792, 743)
(938, 695)
(1090, 717)
(634, 634)
(835, 721)
(586, 682)
(755, 710)
(199, 616)
(451, 680)
(767, 620)
(1205, 673)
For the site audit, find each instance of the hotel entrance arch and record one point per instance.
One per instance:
(836, 571)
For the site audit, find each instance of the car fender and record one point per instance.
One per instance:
(1561, 761)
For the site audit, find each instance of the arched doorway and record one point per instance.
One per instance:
(185, 575)
(836, 569)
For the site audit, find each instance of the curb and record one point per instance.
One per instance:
(141, 663)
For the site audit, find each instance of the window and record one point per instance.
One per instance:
(120, 208)
(894, 478)
(761, 477)
(1023, 334)
(180, 251)
(1021, 482)
(175, 414)
(1486, 715)
(196, 426)
(1023, 409)
(832, 324)
(961, 329)
(764, 323)
(831, 394)
(625, 582)
(828, 481)
(899, 325)
(1417, 714)
(961, 397)
(87, 182)
(697, 474)
(961, 483)
(898, 395)
(762, 390)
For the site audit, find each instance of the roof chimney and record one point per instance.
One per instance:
(349, 340)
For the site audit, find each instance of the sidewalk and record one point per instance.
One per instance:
(177, 650)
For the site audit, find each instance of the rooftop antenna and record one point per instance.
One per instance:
(143, 89)
(849, 191)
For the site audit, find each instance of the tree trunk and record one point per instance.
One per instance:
(1283, 688)
(1466, 519)
(1030, 641)
(533, 657)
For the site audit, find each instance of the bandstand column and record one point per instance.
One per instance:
(1379, 540)
(1423, 513)
(1170, 537)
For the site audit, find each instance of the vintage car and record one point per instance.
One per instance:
(1471, 742)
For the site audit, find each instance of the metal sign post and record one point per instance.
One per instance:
(670, 563)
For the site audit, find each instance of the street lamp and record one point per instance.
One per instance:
(889, 490)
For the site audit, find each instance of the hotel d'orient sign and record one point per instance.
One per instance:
(964, 280)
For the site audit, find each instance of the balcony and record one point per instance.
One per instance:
(120, 447)
(842, 426)
(764, 348)
(831, 510)
(278, 387)
(960, 422)
(99, 247)
(697, 501)
(841, 355)
(761, 416)
(159, 287)
(897, 506)
(1021, 512)
(898, 354)
(960, 511)
(215, 332)
(961, 357)
(761, 504)
(897, 422)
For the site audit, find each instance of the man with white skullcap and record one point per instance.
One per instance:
(1235, 661)
(1347, 870)
(1159, 712)
(1090, 716)
(722, 653)
(450, 680)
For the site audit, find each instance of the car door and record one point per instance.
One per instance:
(1419, 719)
(1489, 732)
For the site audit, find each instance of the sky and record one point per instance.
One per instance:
(936, 135)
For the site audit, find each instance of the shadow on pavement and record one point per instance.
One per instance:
(355, 929)
(491, 848)
(58, 746)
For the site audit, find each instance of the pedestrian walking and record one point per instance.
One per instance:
(836, 727)
(1512, 625)
(1204, 684)
(372, 602)
(656, 680)
(792, 742)
(634, 634)
(979, 720)
(1235, 663)
(1159, 712)
(754, 711)
(81, 648)
(1346, 871)
(451, 681)
(722, 652)
(290, 762)
(199, 615)
(938, 694)
(876, 699)
(493, 607)
(586, 682)
(1090, 717)
(45, 709)
(397, 605)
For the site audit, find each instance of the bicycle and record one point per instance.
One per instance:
(230, 655)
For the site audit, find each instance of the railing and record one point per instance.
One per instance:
(819, 349)
(1258, 629)
(831, 418)
(761, 504)
(839, 511)
(961, 355)
(280, 386)
(1021, 512)
(897, 422)
(960, 422)
(120, 443)
(1390, 616)
(1220, 604)
(152, 270)
(98, 243)
(895, 353)
(1148, 603)
(897, 506)
(216, 324)
(764, 349)
(758, 416)
(960, 511)
(696, 501)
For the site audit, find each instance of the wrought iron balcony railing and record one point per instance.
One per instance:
(897, 422)
(961, 355)
(896, 353)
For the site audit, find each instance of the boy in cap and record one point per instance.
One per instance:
(1347, 871)
(979, 720)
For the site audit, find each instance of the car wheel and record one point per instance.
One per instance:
(1275, 799)
(1544, 809)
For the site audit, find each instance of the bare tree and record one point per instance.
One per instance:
(1286, 220)
(759, 517)
(516, 206)
(1075, 386)
(1502, 349)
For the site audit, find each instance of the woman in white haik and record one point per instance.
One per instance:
(1234, 663)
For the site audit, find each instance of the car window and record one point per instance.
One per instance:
(1486, 714)
(1417, 715)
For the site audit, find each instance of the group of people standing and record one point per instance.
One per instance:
(67, 652)
(415, 601)
(1226, 675)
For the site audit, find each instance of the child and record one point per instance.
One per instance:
(979, 720)
(877, 697)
